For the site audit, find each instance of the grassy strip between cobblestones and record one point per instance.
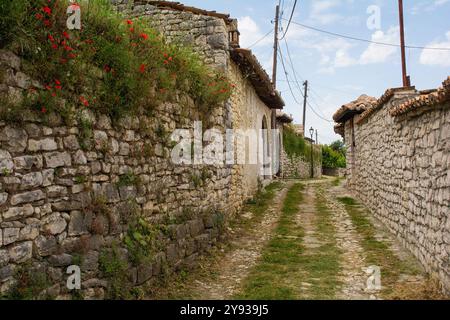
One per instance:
(271, 277)
(323, 264)
(379, 253)
(286, 264)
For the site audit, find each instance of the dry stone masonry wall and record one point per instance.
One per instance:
(70, 193)
(297, 167)
(399, 167)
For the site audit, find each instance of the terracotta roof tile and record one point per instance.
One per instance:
(438, 96)
(361, 104)
(181, 7)
(259, 78)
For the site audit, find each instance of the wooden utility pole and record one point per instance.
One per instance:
(275, 48)
(305, 97)
(275, 62)
(406, 79)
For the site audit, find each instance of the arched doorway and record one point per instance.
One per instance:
(266, 164)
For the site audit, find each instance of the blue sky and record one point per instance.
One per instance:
(339, 70)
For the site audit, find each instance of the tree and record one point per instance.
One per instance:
(334, 155)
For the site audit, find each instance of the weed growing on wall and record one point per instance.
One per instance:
(113, 65)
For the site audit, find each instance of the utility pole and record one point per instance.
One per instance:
(275, 62)
(275, 47)
(406, 79)
(305, 96)
(317, 137)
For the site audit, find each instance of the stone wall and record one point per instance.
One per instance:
(334, 172)
(70, 193)
(206, 35)
(297, 167)
(399, 167)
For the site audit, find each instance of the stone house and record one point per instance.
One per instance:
(399, 167)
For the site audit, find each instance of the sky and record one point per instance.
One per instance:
(339, 70)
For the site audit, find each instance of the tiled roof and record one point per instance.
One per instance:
(284, 117)
(426, 99)
(252, 69)
(358, 106)
(181, 7)
(389, 93)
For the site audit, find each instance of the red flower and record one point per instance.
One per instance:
(144, 36)
(57, 82)
(170, 59)
(142, 68)
(67, 48)
(107, 68)
(58, 87)
(129, 22)
(63, 61)
(43, 110)
(47, 23)
(47, 10)
(48, 87)
(165, 55)
(50, 37)
(72, 56)
(131, 29)
(134, 44)
(53, 94)
(84, 101)
(54, 46)
(39, 16)
(66, 35)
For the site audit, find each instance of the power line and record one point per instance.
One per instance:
(365, 40)
(261, 39)
(315, 112)
(292, 91)
(290, 20)
(298, 84)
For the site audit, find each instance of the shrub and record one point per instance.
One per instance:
(334, 156)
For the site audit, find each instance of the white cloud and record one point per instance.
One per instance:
(426, 6)
(437, 57)
(376, 53)
(324, 12)
(251, 33)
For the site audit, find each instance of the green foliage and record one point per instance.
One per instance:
(30, 284)
(115, 268)
(334, 155)
(113, 65)
(296, 146)
(128, 179)
(142, 241)
(86, 133)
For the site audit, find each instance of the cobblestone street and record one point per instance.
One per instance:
(246, 263)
